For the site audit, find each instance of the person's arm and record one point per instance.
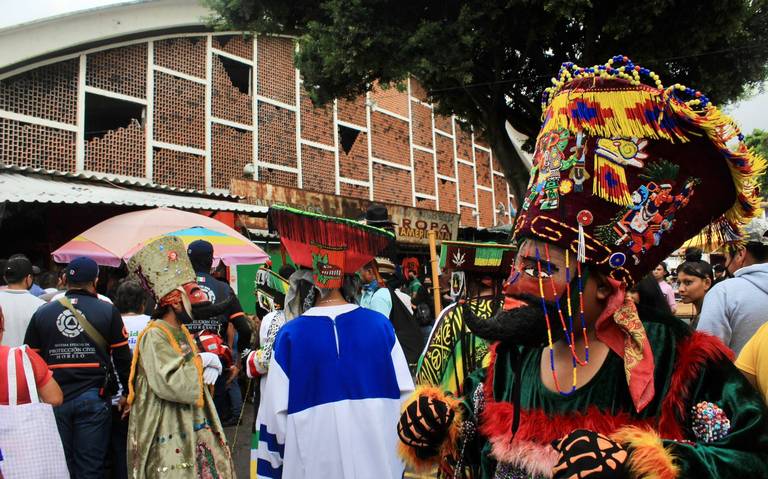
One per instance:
(171, 375)
(47, 388)
(238, 319)
(32, 336)
(51, 393)
(714, 314)
(118, 347)
(272, 419)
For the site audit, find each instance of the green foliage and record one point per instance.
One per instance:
(488, 61)
(757, 141)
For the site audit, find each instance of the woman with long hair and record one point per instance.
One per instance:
(694, 277)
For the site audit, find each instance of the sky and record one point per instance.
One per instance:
(749, 114)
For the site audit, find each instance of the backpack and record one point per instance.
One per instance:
(406, 329)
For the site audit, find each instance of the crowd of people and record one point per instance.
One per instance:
(557, 355)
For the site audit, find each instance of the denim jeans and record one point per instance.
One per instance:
(84, 424)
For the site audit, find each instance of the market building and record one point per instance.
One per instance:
(144, 97)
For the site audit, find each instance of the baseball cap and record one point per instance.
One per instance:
(756, 231)
(200, 248)
(16, 269)
(82, 270)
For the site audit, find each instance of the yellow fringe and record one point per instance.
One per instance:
(648, 458)
(745, 167)
(175, 345)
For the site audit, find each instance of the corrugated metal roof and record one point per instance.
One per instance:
(121, 180)
(18, 187)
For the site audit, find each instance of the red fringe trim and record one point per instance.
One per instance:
(692, 354)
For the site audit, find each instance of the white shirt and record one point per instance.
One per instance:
(134, 324)
(18, 307)
(336, 382)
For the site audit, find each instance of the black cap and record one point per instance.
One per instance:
(82, 270)
(16, 269)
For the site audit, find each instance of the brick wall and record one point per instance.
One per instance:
(182, 170)
(391, 185)
(315, 167)
(36, 146)
(39, 126)
(277, 76)
(354, 165)
(121, 70)
(227, 101)
(179, 113)
(48, 92)
(119, 151)
(231, 150)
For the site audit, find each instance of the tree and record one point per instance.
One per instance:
(757, 141)
(488, 61)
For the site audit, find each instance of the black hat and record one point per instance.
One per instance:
(377, 215)
(16, 269)
(82, 270)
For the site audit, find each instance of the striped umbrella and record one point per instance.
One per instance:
(118, 238)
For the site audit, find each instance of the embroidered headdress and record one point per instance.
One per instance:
(488, 258)
(624, 172)
(164, 269)
(330, 246)
(270, 289)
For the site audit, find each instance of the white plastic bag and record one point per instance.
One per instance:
(30, 446)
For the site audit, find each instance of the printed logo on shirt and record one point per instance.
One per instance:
(208, 293)
(68, 324)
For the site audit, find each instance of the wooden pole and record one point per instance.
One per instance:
(432, 235)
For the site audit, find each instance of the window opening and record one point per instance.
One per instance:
(104, 114)
(347, 138)
(239, 74)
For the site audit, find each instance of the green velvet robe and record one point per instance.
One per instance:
(173, 431)
(689, 368)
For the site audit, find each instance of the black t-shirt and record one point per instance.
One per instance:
(218, 292)
(56, 334)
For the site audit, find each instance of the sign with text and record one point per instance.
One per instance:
(411, 224)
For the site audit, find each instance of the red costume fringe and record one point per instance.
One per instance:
(692, 354)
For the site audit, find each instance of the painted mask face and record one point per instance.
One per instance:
(522, 318)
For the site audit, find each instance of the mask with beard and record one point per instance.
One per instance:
(524, 325)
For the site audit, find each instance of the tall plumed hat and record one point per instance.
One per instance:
(626, 170)
(486, 258)
(164, 269)
(330, 246)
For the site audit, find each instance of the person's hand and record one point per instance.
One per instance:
(424, 425)
(233, 372)
(587, 454)
(123, 407)
(211, 368)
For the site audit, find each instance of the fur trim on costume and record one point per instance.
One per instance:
(536, 459)
(692, 355)
(648, 458)
(449, 446)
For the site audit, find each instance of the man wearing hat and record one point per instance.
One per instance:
(173, 430)
(80, 337)
(337, 373)
(16, 300)
(219, 293)
(734, 310)
(477, 271)
(580, 382)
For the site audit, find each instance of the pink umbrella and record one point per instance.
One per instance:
(118, 238)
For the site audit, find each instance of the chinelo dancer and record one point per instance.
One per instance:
(581, 383)
(338, 376)
(477, 272)
(173, 430)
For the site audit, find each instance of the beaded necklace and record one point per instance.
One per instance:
(549, 333)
